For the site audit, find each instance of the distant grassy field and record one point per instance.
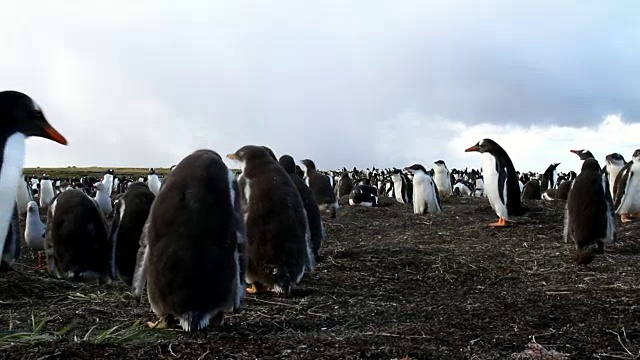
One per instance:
(90, 171)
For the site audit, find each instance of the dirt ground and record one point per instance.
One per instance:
(394, 285)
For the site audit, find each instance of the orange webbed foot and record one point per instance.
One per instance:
(500, 223)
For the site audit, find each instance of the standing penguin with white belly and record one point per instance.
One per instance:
(627, 189)
(278, 236)
(46, 193)
(20, 117)
(589, 217)
(500, 181)
(425, 193)
(442, 177)
(153, 181)
(192, 245)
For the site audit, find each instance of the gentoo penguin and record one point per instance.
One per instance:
(402, 187)
(46, 193)
(76, 243)
(153, 181)
(20, 117)
(614, 163)
(549, 177)
(35, 230)
(321, 188)
(192, 248)
(131, 213)
(589, 217)
(442, 177)
(364, 195)
(345, 184)
(279, 248)
(531, 190)
(11, 250)
(23, 196)
(316, 228)
(627, 189)
(501, 181)
(426, 198)
(107, 180)
(103, 199)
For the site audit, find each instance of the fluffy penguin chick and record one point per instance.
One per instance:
(278, 233)
(76, 243)
(425, 193)
(192, 245)
(131, 213)
(589, 217)
(321, 187)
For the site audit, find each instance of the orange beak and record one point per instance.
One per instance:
(232, 156)
(473, 148)
(575, 151)
(54, 135)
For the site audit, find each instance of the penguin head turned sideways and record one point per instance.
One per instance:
(484, 145)
(20, 114)
(415, 168)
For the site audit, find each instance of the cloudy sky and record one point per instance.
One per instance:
(384, 83)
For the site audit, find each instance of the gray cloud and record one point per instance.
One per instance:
(144, 84)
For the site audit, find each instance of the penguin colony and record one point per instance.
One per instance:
(198, 239)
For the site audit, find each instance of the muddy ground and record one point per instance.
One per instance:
(394, 285)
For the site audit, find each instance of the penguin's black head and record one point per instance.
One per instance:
(590, 165)
(484, 145)
(583, 154)
(615, 158)
(415, 168)
(440, 163)
(395, 171)
(152, 171)
(250, 153)
(309, 164)
(110, 172)
(287, 162)
(19, 113)
(271, 153)
(636, 156)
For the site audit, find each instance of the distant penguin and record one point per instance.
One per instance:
(614, 163)
(501, 181)
(478, 189)
(23, 196)
(35, 230)
(549, 177)
(627, 189)
(462, 188)
(130, 214)
(562, 193)
(589, 217)
(153, 181)
(321, 187)
(20, 117)
(76, 243)
(345, 185)
(531, 190)
(314, 219)
(192, 248)
(103, 199)
(442, 177)
(402, 187)
(107, 180)
(426, 198)
(364, 195)
(278, 235)
(46, 193)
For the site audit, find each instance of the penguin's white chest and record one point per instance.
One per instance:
(10, 173)
(154, 183)
(46, 193)
(631, 199)
(492, 187)
(443, 181)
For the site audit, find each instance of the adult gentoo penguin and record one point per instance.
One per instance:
(131, 213)
(76, 243)
(20, 117)
(320, 184)
(442, 177)
(192, 245)
(279, 249)
(627, 189)
(316, 228)
(153, 181)
(589, 217)
(425, 192)
(500, 181)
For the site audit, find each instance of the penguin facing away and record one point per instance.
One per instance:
(314, 219)
(500, 181)
(321, 186)
(442, 178)
(279, 248)
(76, 242)
(425, 193)
(20, 117)
(627, 189)
(130, 214)
(589, 217)
(192, 246)
(614, 163)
